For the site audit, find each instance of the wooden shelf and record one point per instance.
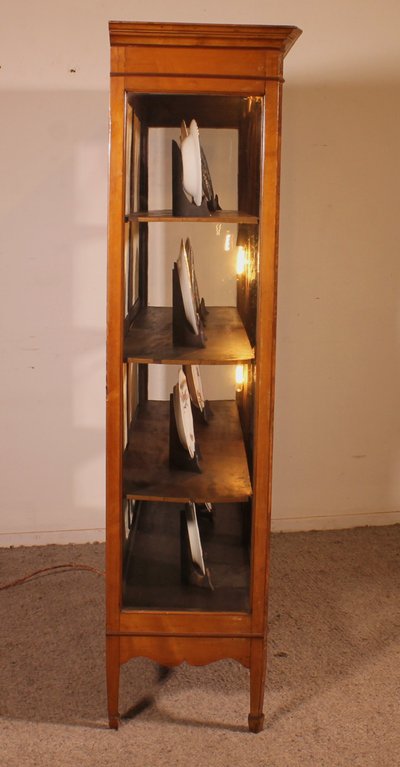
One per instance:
(219, 217)
(149, 339)
(152, 577)
(225, 475)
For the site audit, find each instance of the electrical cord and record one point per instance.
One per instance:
(48, 570)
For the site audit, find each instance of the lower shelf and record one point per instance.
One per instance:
(152, 571)
(224, 477)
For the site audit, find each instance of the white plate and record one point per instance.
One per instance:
(195, 387)
(183, 414)
(192, 271)
(186, 288)
(191, 163)
(127, 523)
(196, 549)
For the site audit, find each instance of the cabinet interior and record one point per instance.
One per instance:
(153, 493)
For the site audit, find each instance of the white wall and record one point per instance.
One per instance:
(337, 415)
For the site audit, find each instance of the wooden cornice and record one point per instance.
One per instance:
(279, 38)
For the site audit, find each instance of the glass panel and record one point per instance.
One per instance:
(215, 256)
(131, 265)
(221, 150)
(189, 546)
(130, 397)
(158, 570)
(128, 156)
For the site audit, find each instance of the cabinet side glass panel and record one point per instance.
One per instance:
(165, 569)
(187, 528)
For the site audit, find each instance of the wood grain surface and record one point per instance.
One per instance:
(218, 216)
(149, 339)
(276, 38)
(224, 477)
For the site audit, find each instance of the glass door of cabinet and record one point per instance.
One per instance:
(178, 520)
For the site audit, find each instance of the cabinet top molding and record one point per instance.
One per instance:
(278, 38)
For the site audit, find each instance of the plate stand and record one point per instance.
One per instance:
(179, 457)
(203, 311)
(202, 416)
(206, 519)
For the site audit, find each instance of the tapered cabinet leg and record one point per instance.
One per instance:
(113, 666)
(257, 682)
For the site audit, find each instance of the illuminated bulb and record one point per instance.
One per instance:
(239, 377)
(228, 241)
(240, 260)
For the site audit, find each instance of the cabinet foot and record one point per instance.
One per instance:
(112, 656)
(257, 681)
(113, 722)
(256, 723)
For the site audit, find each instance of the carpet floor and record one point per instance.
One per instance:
(333, 687)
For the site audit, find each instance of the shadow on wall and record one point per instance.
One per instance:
(336, 445)
(54, 289)
(337, 418)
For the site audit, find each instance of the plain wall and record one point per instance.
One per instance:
(337, 447)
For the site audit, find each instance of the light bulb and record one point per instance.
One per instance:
(240, 260)
(228, 241)
(239, 377)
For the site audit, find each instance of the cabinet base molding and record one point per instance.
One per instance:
(170, 651)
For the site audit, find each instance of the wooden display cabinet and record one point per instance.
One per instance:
(228, 78)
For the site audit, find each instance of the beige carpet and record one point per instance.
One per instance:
(333, 687)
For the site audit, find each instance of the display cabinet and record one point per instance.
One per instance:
(188, 535)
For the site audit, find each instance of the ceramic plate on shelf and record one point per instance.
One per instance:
(127, 521)
(206, 177)
(196, 549)
(194, 384)
(191, 162)
(192, 271)
(183, 414)
(186, 288)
